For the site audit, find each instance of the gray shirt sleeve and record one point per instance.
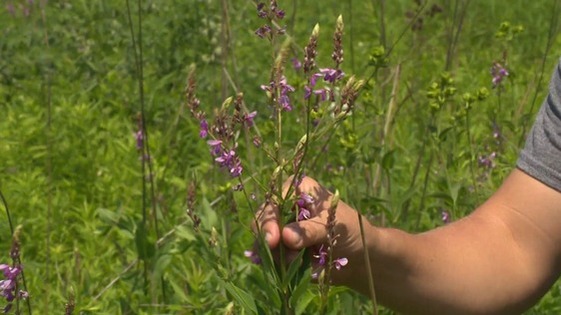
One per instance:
(541, 156)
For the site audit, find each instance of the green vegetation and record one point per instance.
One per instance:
(429, 134)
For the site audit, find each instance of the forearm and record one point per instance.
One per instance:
(471, 266)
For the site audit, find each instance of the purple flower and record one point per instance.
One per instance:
(313, 79)
(236, 170)
(263, 31)
(284, 101)
(8, 285)
(257, 141)
(487, 161)
(139, 136)
(305, 200)
(215, 147)
(321, 256)
(322, 93)
(303, 204)
(296, 63)
(331, 75)
(307, 92)
(304, 214)
(248, 118)
(445, 216)
(284, 88)
(226, 158)
(204, 129)
(253, 256)
(280, 14)
(261, 10)
(231, 162)
(498, 72)
(340, 262)
(11, 9)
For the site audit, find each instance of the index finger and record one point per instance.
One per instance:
(267, 223)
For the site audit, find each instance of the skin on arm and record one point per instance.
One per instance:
(499, 260)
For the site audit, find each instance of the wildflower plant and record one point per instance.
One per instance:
(325, 99)
(10, 286)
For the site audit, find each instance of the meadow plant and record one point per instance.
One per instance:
(329, 97)
(10, 286)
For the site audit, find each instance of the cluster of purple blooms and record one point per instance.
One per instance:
(499, 73)
(284, 88)
(24, 6)
(328, 75)
(226, 158)
(487, 161)
(323, 258)
(8, 286)
(271, 13)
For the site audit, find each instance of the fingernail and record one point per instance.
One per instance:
(297, 240)
(268, 237)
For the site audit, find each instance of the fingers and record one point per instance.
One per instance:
(267, 220)
(299, 235)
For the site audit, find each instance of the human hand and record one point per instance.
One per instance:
(313, 232)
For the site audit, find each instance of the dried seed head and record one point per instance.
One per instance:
(310, 51)
(337, 54)
(348, 96)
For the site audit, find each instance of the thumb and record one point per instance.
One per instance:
(307, 233)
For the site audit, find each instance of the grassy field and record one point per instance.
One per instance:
(107, 225)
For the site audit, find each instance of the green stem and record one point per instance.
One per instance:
(471, 153)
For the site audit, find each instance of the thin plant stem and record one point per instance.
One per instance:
(143, 166)
(367, 263)
(48, 164)
(382, 23)
(225, 46)
(550, 38)
(425, 187)
(471, 152)
(455, 32)
(405, 208)
(389, 118)
(146, 163)
(351, 36)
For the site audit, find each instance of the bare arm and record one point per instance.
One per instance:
(499, 260)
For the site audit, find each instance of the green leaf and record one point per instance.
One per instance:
(304, 302)
(144, 248)
(388, 160)
(293, 268)
(300, 289)
(242, 297)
